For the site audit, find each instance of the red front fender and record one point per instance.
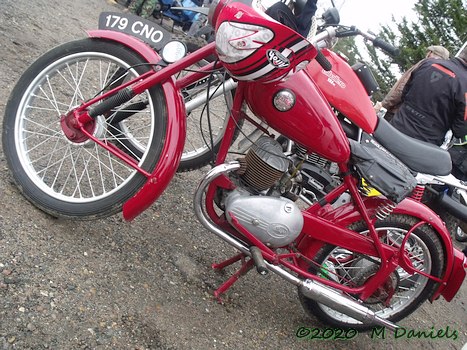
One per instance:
(175, 134)
(454, 272)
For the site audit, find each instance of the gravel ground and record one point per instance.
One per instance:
(109, 284)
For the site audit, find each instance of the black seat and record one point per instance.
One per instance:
(419, 156)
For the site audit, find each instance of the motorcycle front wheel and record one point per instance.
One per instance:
(401, 294)
(79, 179)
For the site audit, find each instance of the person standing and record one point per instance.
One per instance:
(143, 8)
(434, 100)
(393, 100)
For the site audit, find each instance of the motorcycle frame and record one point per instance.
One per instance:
(328, 225)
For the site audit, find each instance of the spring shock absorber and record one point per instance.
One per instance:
(384, 210)
(418, 192)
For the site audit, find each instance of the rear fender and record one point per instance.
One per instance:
(454, 275)
(175, 135)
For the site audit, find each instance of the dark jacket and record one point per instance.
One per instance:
(434, 101)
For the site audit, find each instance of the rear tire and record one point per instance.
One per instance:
(348, 268)
(70, 179)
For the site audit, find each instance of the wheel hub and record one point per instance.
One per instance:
(384, 293)
(72, 130)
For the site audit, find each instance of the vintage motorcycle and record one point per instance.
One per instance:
(97, 126)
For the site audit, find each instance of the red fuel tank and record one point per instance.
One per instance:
(344, 91)
(310, 121)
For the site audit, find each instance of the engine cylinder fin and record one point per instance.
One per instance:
(317, 160)
(259, 174)
(266, 163)
(300, 151)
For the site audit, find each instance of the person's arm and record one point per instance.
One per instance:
(393, 99)
(459, 123)
(304, 20)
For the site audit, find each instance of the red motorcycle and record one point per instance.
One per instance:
(97, 126)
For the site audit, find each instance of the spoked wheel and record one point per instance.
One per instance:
(461, 235)
(74, 177)
(401, 294)
(456, 227)
(206, 121)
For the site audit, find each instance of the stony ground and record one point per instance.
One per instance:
(109, 284)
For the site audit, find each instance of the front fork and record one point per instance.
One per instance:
(78, 120)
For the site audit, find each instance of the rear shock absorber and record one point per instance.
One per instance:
(418, 192)
(384, 210)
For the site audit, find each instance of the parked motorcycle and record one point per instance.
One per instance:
(181, 15)
(97, 126)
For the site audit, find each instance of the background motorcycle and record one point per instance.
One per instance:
(355, 265)
(206, 100)
(180, 15)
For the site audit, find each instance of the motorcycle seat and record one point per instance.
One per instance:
(419, 156)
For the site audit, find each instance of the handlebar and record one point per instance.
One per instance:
(385, 46)
(324, 38)
(378, 42)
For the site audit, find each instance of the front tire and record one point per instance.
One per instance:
(351, 269)
(80, 179)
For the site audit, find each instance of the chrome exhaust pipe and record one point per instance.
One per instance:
(341, 303)
(311, 289)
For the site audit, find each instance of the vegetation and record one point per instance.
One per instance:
(440, 22)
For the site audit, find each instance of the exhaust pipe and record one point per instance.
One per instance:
(454, 207)
(333, 299)
(309, 288)
(342, 303)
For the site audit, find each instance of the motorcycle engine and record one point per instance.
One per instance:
(274, 220)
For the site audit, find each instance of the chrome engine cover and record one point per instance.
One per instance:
(275, 221)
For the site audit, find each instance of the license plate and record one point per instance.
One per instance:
(136, 26)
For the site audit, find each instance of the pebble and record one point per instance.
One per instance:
(6, 272)
(11, 279)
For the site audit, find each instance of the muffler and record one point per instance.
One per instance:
(342, 303)
(454, 207)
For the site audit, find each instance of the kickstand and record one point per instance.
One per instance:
(246, 266)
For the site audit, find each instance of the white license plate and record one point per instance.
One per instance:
(136, 26)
